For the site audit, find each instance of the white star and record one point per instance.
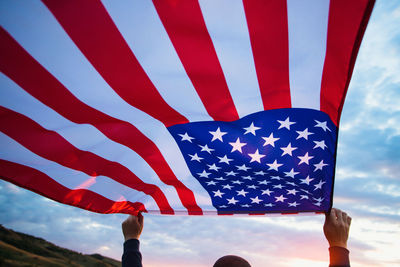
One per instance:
(293, 204)
(269, 205)
(275, 178)
(292, 173)
(274, 166)
(256, 156)
(220, 179)
(288, 150)
(211, 183)
(232, 201)
(264, 182)
(317, 204)
(195, 157)
(251, 129)
(206, 148)
(252, 186)
(242, 193)
(256, 200)
(227, 186)
(248, 177)
(243, 168)
(224, 159)
(304, 197)
(322, 125)
(292, 191)
(285, 124)
(223, 206)
(186, 137)
(217, 135)
(303, 134)
(320, 165)
(204, 174)
(237, 182)
(281, 198)
(218, 193)
(245, 206)
(307, 180)
(237, 145)
(291, 183)
(320, 144)
(260, 173)
(320, 199)
(319, 185)
(305, 158)
(270, 140)
(231, 173)
(213, 167)
(266, 192)
(279, 186)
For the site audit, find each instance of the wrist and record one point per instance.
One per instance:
(339, 256)
(338, 244)
(127, 237)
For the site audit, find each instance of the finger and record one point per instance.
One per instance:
(344, 217)
(330, 216)
(339, 215)
(348, 220)
(140, 218)
(132, 218)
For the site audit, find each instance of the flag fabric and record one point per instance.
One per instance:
(176, 106)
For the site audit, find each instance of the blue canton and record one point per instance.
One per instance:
(276, 161)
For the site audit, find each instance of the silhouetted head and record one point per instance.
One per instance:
(231, 261)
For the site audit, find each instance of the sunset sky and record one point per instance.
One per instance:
(367, 187)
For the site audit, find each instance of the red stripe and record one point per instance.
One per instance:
(268, 29)
(346, 27)
(17, 64)
(93, 31)
(50, 145)
(42, 184)
(187, 30)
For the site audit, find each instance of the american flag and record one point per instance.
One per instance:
(176, 106)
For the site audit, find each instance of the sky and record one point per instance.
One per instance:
(367, 187)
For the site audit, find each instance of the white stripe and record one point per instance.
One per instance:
(35, 28)
(72, 179)
(143, 31)
(308, 26)
(227, 25)
(83, 136)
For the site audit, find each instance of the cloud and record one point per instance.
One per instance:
(174, 240)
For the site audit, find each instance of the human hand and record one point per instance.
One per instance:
(132, 227)
(336, 228)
